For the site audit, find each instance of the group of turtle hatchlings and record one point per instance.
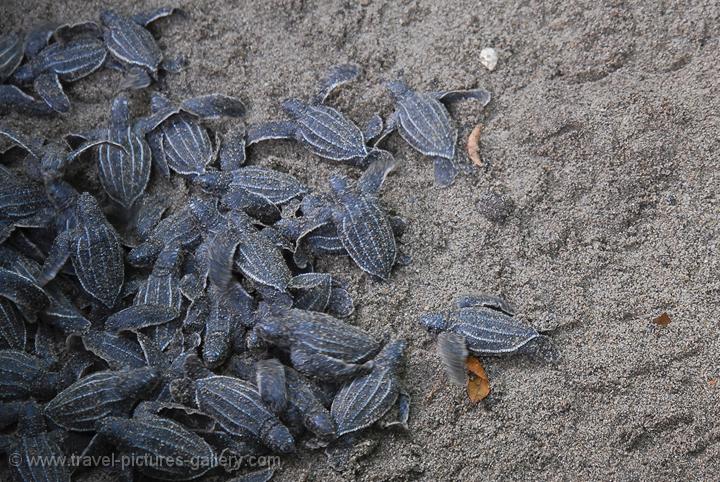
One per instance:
(203, 330)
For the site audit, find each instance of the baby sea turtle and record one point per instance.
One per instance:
(180, 142)
(109, 393)
(239, 409)
(362, 225)
(94, 250)
(150, 437)
(292, 396)
(252, 188)
(162, 286)
(321, 129)
(12, 50)
(57, 62)
(366, 399)
(134, 47)
(320, 346)
(424, 123)
(484, 326)
(33, 446)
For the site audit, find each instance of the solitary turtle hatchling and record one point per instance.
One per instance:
(483, 326)
(424, 123)
(321, 129)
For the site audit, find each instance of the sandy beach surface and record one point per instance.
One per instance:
(595, 211)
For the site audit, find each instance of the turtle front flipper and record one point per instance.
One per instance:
(374, 176)
(271, 130)
(337, 76)
(324, 367)
(486, 301)
(48, 87)
(451, 96)
(11, 97)
(214, 105)
(146, 18)
(390, 125)
(453, 352)
(445, 171)
(136, 78)
(373, 128)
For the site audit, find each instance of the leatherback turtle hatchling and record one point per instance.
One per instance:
(32, 444)
(320, 346)
(424, 123)
(483, 326)
(366, 399)
(68, 62)
(321, 129)
(134, 47)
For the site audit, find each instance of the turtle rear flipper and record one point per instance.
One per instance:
(48, 87)
(445, 171)
(464, 94)
(271, 130)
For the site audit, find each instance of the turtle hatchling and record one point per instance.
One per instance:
(321, 129)
(424, 123)
(134, 47)
(483, 326)
(68, 62)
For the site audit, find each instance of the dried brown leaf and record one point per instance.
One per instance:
(662, 320)
(473, 145)
(478, 385)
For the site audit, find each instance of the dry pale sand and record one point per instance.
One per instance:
(595, 211)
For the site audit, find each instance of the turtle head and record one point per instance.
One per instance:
(434, 322)
(321, 424)
(278, 438)
(108, 16)
(294, 107)
(271, 325)
(212, 182)
(139, 382)
(398, 88)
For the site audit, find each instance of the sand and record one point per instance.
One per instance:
(595, 211)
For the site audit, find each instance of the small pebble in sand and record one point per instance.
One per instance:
(489, 58)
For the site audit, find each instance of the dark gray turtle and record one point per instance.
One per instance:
(159, 439)
(239, 409)
(94, 250)
(162, 286)
(366, 399)
(124, 173)
(13, 334)
(292, 396)
(134, 47)
(12, 98)
(251, 252)
(180, 142)
(12, 50)
(320, 346)
(321, 129)
(57, 62)
(119, 351)
(137, 317)
(23, 203)
(110, 393)
(22, 289)
(23, 376)
(252, 188)
(484, 326)
(33, 444)
(321, 292)
(424, 123)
